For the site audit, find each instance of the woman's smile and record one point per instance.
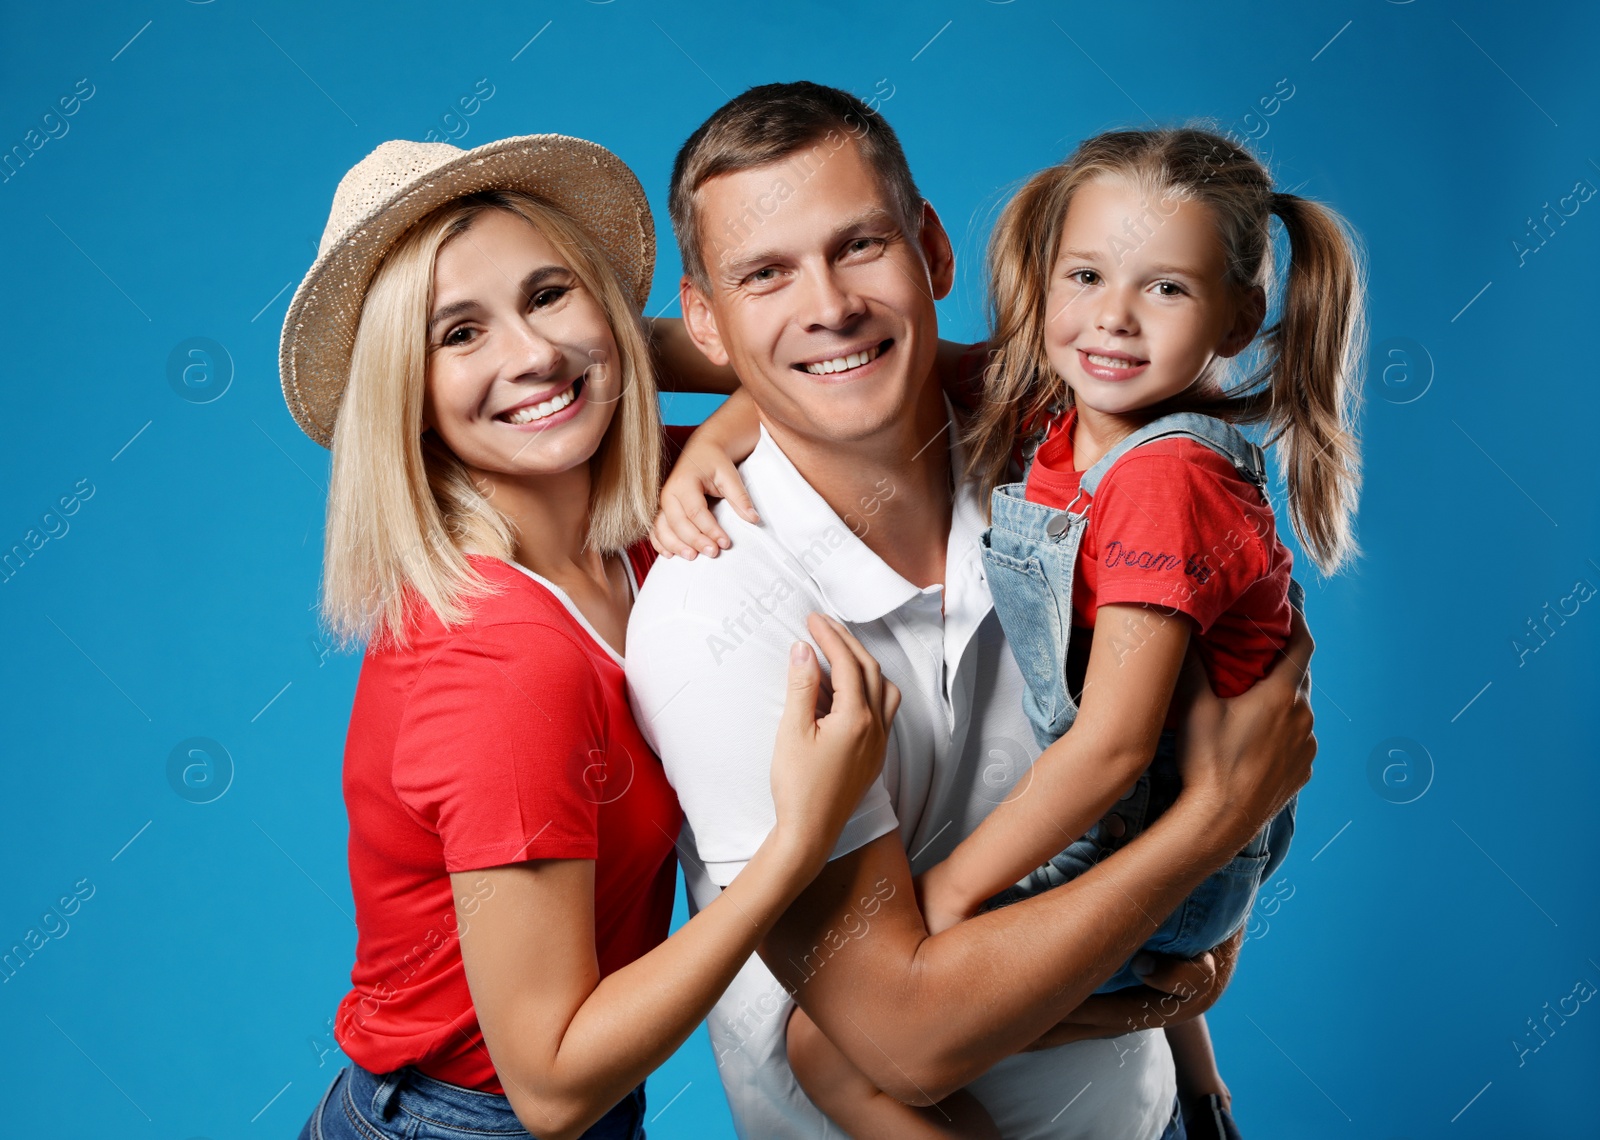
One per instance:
(540, 414)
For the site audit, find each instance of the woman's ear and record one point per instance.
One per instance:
(1250, 312)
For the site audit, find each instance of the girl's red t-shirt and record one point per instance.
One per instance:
(1174, 525)
(506, 738)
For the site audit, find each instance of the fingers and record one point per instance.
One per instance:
(1184, 978)
(680, 533)
(728, 484)
(800, 701)
(1298, 650)
(871, 675)
(849, 687)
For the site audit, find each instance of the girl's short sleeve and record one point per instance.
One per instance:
(500, 736)
(1171, 530)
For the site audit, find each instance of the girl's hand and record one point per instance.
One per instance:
(821, 766)
(1175, 990)
(685, 525)
(940, 908)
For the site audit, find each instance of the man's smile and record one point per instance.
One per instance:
(846, 361)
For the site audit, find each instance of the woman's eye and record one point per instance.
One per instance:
(544, 298)
(458, 335)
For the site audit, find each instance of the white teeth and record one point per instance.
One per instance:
(843, 363)
(539, 411)
(1108, 361)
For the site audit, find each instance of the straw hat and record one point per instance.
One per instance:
(400, 182)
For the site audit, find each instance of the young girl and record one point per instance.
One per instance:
(1124, 282)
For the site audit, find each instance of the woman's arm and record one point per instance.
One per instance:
(1133, 669)
(567, 1044)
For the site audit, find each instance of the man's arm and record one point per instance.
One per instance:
(923, 1015)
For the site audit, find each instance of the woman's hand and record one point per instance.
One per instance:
(706, 470)
(1248, 754)
(822, 766)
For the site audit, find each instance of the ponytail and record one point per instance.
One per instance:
(1312, 390)
(1305, 387)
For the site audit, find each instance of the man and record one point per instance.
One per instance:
(812, 267)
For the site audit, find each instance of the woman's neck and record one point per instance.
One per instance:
(550, 514)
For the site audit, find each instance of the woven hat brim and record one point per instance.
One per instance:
(581, 178)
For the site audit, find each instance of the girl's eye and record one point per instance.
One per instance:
(544, 298)
(1083, 276)
(1169, 288)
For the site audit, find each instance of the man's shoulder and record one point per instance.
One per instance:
(712, 586)
(748, 602)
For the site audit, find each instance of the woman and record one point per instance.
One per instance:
(468, 342)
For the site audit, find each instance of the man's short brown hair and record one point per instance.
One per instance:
(773, 122)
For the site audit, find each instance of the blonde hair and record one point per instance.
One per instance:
(402, 508)
(1306, 384)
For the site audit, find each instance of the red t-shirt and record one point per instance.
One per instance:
(506, 738)
(1175, 525)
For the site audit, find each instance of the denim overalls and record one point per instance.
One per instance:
(1030, 555)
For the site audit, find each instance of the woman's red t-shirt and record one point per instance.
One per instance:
(1174, 525)
(503, 739)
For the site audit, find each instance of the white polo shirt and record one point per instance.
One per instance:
(708, 662)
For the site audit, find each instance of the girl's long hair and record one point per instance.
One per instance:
(1305, 386)
(402, 508)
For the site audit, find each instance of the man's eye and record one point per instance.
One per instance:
(861, 245)
(764, 274)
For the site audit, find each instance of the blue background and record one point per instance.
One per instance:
(1441, 888)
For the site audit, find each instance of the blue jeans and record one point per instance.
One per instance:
(1030, 555)
(405, 1105)
(1175, 1129)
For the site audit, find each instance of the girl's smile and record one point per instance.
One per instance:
(1139, 302)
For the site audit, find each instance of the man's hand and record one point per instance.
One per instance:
(1247, 755)
(1174, 990)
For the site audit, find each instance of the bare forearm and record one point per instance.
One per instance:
(1072, 785)
(635, 1018)
(987, 988)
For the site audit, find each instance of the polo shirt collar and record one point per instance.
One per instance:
(858, 585)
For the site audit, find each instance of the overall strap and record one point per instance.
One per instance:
(1219, 435)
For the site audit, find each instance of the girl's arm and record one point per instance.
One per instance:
(708, 469)
(566, 1043)
(1133, 668)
